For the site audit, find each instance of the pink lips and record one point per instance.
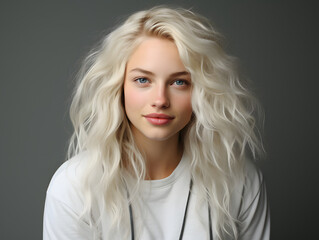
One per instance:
(158, 118)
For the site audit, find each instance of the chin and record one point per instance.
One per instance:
(159, 136)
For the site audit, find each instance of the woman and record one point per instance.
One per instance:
(164, 128)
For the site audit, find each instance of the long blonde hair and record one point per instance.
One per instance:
(222, 132)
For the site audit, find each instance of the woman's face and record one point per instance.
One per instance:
(157, 90)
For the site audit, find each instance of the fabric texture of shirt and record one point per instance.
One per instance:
(163, 209)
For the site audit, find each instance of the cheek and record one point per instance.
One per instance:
(185, 106)
(132, 100)
(188, 109)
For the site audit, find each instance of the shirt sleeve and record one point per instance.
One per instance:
(254, 219)
(60, 222)
(64, 205)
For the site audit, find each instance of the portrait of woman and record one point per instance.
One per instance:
(166, 132)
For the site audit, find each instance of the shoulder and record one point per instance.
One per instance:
(64, 203)
(250, 206)
(253, 181)
(66, 183)
(248, 189)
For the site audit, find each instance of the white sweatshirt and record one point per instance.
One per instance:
(163, 209)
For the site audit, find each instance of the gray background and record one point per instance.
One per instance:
(42, 44)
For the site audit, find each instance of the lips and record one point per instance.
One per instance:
(158, 118)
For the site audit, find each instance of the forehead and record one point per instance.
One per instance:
(156, 54)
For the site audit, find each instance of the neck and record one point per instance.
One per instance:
(161, 157)
(162, 160)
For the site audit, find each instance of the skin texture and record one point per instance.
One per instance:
(156, 82)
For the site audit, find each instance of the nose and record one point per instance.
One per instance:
(161, 98)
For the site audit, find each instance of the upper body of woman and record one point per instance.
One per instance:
(164, 129)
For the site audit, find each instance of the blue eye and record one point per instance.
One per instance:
(141, 80)
(179, 82)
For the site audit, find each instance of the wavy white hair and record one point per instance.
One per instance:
(222, 133)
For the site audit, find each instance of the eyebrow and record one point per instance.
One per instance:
(152, 74)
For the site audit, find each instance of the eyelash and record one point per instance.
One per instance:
(180, 80)
(140, 78)
(185, 82)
